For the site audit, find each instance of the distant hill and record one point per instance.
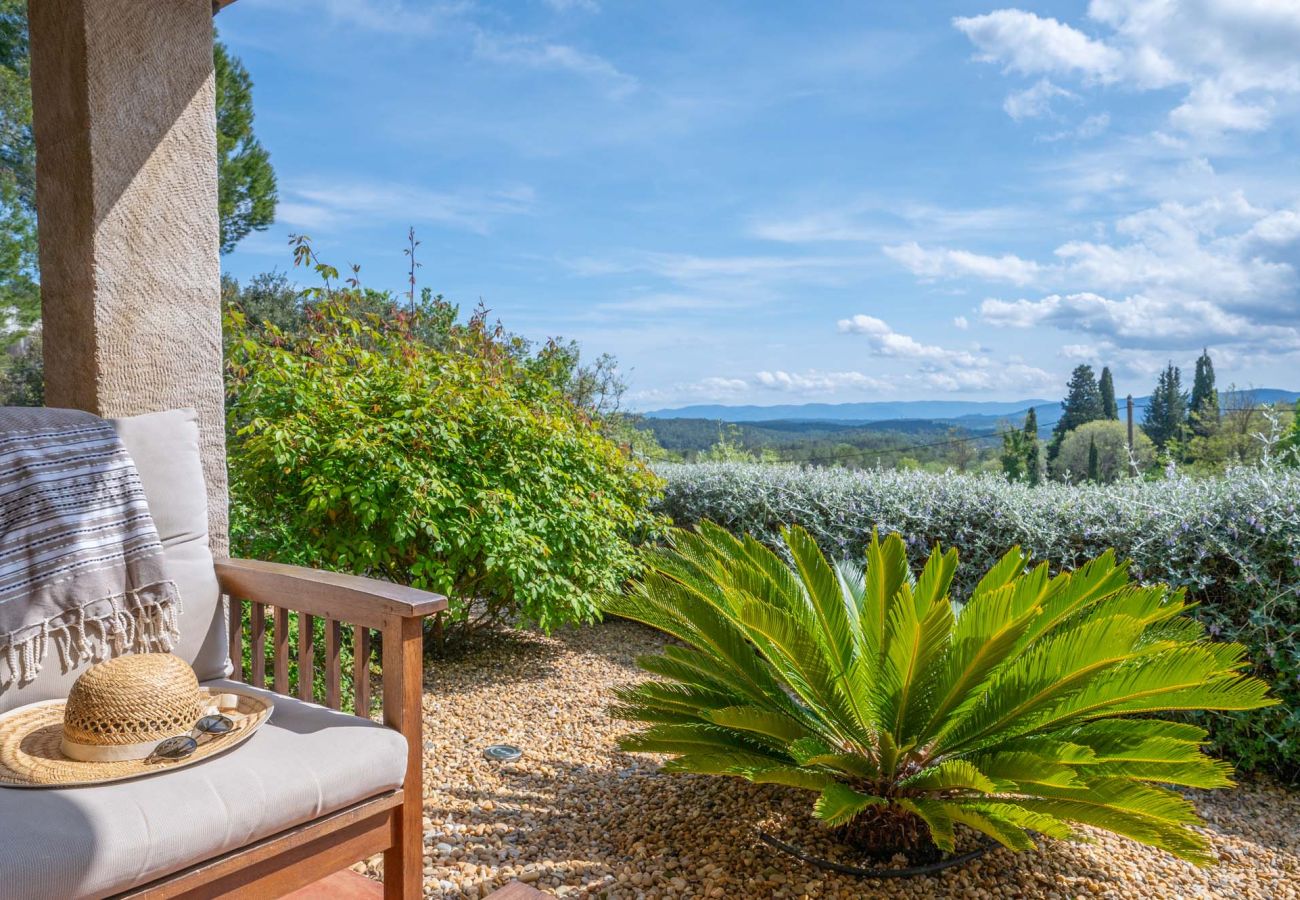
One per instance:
(811, 440)
(852, 413)
(916, 416)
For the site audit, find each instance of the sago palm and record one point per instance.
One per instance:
(1026, 709)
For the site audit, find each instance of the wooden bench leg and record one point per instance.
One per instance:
(403, 670)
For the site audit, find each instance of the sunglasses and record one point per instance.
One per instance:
(183, 745)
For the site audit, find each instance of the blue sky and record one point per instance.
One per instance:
(776, 202)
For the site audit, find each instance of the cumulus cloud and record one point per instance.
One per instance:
(961, 323)
(1029, 44)
(942, 368)
(1235, 58)
(941, 263)
(887, 342)
(1082, 351)
(1144, 321)
(1175, 275)
(1210, 108)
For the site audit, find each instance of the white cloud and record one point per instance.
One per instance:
(723, 385)
(1222, 248)
(1211, 109)
(830, 225)
(533, 53)
(569, 5)
(887, 342)
(876, 220)
(1083, 351)
(813, 383)
(692, 269)
(1089, 128)
(817, 382)
(961, 323)
(1235, 58)
(941, 263)
(307, 206)
(1034, 101)
(1205, 249)
(1222, 271)
(862, 324)
(1030, 45)
(1093, 125)
(1144, 321)
(941, 368)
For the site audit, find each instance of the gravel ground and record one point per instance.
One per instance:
(576, 817)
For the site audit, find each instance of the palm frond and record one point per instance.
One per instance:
(1026, 709)
(840, 804)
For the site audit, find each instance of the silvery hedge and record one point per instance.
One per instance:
(1232, 541)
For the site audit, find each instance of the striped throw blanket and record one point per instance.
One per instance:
(80, 561)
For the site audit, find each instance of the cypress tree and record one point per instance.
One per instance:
(1082, 404)
(1166, 414)
(1203, 412)
(1094, 461)
(1109, 409)
(1033, 465)
(1013, 455)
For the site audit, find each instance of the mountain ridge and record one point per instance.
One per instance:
(971, 413)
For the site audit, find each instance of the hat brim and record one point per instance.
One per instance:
(30, 739)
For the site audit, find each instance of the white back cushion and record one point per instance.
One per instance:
(165, 448)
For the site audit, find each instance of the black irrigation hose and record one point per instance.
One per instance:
(908, 872)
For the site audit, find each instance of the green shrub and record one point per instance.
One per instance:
(1232, 542)
(1113, 462)
(908, 715)
(360, 445)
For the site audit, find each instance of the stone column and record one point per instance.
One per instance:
(126, 193)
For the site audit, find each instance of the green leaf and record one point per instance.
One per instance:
(839, 803)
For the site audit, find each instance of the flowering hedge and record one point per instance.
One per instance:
(1233, 542)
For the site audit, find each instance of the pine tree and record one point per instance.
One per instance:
(1082, 404)
(1166, 415)
(1203, 411)
(1109, 410)
(20, 295)
(1033, 464)
(246, 189)
(1094, 461)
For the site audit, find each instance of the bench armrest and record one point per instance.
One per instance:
(332, 595)
(396, 611)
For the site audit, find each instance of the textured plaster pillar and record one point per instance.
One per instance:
(126, 192)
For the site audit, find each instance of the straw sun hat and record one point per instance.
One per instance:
(116, 716)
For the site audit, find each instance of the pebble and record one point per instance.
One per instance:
(578, 818)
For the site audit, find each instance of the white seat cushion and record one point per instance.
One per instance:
(92, 842)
